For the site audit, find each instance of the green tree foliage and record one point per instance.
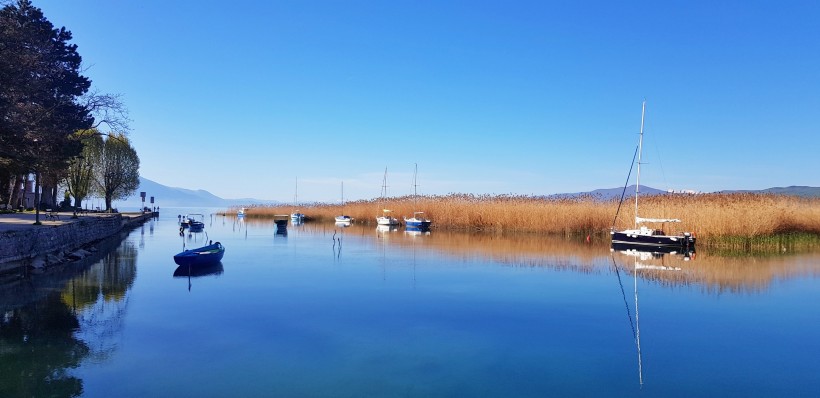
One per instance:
(115, 168)
(79, 175)
(40, 91)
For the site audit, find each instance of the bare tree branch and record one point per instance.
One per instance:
(108, 110)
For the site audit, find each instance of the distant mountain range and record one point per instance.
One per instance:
(794, 190)
(166, 196)
(610, 193)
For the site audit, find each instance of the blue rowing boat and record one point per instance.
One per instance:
(210, 254)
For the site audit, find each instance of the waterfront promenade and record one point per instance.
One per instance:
(59, 233)
(25, 221)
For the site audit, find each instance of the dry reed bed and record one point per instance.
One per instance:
(709, 216)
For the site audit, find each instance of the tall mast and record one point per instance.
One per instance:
(640, 149)
(384, 183)
(415, 184)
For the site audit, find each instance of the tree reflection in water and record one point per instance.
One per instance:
(65, 319)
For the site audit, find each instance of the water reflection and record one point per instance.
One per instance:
(58, 319)
(188, 271)
(713, 274)
(195, 239)
(412, 231)
(387, 228)
(642, 259)
(184, 271)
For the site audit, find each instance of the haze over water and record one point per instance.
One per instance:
(350, 312)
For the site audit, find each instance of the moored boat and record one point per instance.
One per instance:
(642, 235)
(386, 218)
(205, 255)
(297, 217)
(196, 222)
(343, 219)
(417, 221)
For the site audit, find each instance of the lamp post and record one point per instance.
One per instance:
(37, 185)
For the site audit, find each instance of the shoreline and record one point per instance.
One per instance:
(58, 240)
(713, 218)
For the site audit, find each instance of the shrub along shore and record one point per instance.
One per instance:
(733, 220)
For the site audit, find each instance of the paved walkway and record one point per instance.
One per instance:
(22, 221)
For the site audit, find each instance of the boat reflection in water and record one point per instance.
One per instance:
(281, 221)
(386, 228)
(644, 260)
(416, 231)
(655, 251)
(199, 270)
(195, 271)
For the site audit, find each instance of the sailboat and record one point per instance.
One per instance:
(296, 217)
(418, 221)
(642, 235)
(343, 219)
(386, 218)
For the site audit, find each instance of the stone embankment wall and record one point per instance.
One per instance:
(31, 242)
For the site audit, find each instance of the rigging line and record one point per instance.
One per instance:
(623, 193)
(623, 294)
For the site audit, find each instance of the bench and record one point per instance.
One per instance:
(52, 215)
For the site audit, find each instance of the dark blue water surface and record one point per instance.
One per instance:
(327, 311)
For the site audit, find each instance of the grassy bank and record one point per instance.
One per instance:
(736, 219)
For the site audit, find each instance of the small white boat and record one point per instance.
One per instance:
(241, 212)
(343, 219)
(386, 218)
(296, 216)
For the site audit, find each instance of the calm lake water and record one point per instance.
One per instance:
(326, 311)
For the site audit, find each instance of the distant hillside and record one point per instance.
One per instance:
(794, 190)
(615, 193)
(165, 196)
(611, 193)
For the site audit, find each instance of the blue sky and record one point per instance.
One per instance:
(241, 98)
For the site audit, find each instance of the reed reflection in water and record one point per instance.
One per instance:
(710, 273)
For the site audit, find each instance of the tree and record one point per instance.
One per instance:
(40, 87)
(108, 110)
(115, 168)
(79, 176)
